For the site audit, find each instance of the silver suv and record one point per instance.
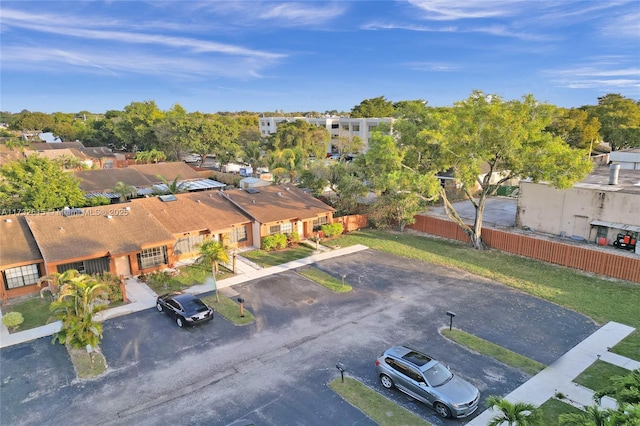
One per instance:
(425, 379)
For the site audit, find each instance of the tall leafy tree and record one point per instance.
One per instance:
(620, 119)
(576, 128)
(311, 140)
(135, 125)
(511, 413)
(486, 141)
(374, 107)
(402, 192)
(37, 183)
(253, 154)
(172, 133)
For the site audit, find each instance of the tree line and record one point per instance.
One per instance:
(482, 142)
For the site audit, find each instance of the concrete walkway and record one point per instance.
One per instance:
(559, 376)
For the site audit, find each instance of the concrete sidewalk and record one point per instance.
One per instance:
(559, 376)
(141, 297)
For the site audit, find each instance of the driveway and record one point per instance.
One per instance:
(275, 371)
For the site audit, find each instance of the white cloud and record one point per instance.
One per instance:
(608, 73)
(446, 10)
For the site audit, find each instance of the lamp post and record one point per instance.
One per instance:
(451, 315)
(341, 368)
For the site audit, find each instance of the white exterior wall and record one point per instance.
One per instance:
(350, 127)
(571, 211)
(629, 159)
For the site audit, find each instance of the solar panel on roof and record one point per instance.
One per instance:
(167, 198)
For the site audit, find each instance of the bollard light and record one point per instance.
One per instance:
(341, 368)
(451, 315)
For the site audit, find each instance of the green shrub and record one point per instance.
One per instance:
(332, 229)
(274, 242)
(114, 291)
(159, 278)
(12, 320)
(294, 238)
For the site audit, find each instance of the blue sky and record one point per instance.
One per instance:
(312, 56)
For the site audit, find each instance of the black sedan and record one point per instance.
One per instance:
(185, 308)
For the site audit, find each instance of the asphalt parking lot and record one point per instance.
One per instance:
(275, 371)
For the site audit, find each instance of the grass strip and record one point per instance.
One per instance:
(378, 408)
(324, 279)
(84, 367)
(273, 258)
(598, 375)
(551, 410)
(492, 350)
(228, 309)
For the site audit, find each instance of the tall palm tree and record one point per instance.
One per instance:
(173, 187)
(79, 298)
(511, 414)
(214, 252)
(253, 155)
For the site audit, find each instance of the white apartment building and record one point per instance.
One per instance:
(337, 126)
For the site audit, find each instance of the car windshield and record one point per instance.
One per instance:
(438, 375)
(194, 305)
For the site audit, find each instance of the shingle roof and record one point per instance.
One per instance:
(142, 175)
(196, 211)
(92, 233)
(272, 203)
(17, 244)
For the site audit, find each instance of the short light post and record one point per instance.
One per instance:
(451, 315)
(343, 277)
(241, 302)
(341, 369)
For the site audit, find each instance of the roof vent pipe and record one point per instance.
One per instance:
(613, 174)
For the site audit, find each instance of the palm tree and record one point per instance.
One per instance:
(593, 416)
(214, 252)
(174, 187)
(253, 155)
(511, 414)
(125, 191)
(79, 298)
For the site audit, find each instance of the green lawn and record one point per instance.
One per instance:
(380, 409)
(551, 410)
(34, 310)
(187, 276)
(278, 257)
(228, 309)
(324, 279)
(499, 353)
(601, 299)
(598, 375)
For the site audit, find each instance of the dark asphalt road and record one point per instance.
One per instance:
(275, 371)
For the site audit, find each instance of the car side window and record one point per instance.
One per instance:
(173, 304)
(410, 372)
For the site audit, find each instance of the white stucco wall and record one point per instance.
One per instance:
(546, 209)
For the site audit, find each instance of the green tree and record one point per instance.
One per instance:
(214, 136)
(125, 191)
(576, 128)
(172, 133)
(620, 119)
(80, 297)
(174, 187)
(310, 140)
(593, 416)
(37, 183)
(213, 252)
(32, 123)
(253, 154)
(135, 125)
(485, 141)
(348, 145)
(511, 414)
(374, 107)
(401, 191)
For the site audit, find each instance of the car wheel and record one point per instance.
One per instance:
(159, 307)
(386, 381)
(179, 321)
(442, 410)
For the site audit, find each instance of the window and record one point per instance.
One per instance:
(372, 127)
(318, 222)
(238, 234)
(152, 257)
(335, 125)
(21, 276)
(274, 229)
(188, 244)
(356, 128)
(345, 127)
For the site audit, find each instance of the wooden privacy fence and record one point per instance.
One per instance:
(583, 258)
(353, 222)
